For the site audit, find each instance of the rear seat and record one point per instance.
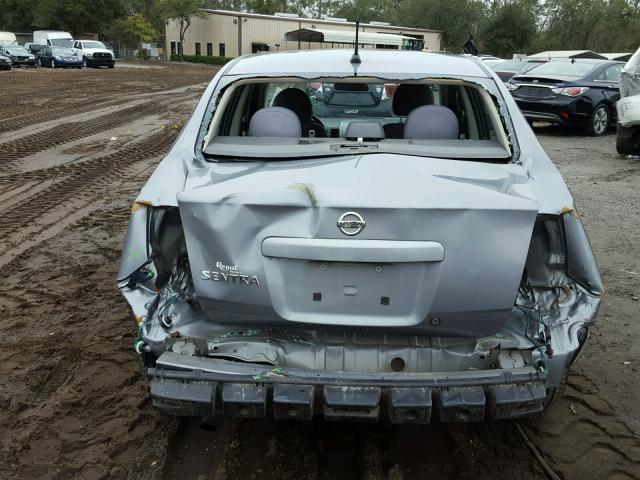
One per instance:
(432, 122)
(275, 122)
(408, 97)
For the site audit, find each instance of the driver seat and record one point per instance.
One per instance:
(297, 101)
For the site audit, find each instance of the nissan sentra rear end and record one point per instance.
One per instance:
(426, 262)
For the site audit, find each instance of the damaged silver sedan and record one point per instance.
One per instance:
(383, 240)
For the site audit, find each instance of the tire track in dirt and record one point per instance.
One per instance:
(261, 448)
(74, 404)
(607, 441)
(35, 117)
(63, 84)
(84, 182)
(14, 150)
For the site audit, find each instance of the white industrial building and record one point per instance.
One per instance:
(230, 34)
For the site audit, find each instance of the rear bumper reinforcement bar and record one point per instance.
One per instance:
(185, 385)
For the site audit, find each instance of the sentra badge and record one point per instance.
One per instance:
(229, 274)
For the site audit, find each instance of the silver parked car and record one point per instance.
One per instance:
(294, 254)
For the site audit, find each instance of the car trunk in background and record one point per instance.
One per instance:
(536, 88)
(441, 251)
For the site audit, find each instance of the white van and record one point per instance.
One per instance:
(53, 38)
(8, 38)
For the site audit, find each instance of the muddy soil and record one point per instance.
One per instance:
(76, 146)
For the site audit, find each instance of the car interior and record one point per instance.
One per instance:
(418, 111)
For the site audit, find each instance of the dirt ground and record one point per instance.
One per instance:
(76, 146)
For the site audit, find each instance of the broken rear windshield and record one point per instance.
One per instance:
(284, 119)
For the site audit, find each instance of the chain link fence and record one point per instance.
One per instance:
(144, 51)
(154, 51)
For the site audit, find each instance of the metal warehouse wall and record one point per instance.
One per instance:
(230, 28)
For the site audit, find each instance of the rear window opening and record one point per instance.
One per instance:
(284, 119)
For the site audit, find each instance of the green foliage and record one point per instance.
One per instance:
(600, 25)
(183, 12)
(77, 16)
(456, 18)
(510, 28)
(366, 10)
(135, 29)
(209, 60)
(17, 15)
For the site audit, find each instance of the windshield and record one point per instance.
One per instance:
(563, 69)
(61, 42)
(16, 50)
(93, 44)
(326, 118)
(62, 51)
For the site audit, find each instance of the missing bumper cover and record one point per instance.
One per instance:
(238, 391)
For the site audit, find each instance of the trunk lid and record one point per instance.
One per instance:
(537, 87)
(441, 251)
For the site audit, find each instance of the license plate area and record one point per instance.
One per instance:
(352, 287)
(352, 293)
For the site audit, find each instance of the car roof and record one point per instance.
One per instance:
(336, 62)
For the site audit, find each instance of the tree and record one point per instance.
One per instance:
(17, 15)
(456, 18)
(183, 12)
(77, 16)
(365, 10)
(135, 29)
(510, 28)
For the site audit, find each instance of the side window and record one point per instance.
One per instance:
(611, 74)
(615, 73)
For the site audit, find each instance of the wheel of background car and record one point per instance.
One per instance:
(599, 121)
(53, 63)
(627, 140)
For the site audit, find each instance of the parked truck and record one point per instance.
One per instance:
(53, 38)
(8, 38)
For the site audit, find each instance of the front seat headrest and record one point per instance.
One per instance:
(432, 122)
(409, 96)
(295, 100)
(275, 122)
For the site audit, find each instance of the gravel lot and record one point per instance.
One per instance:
(76, 146)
